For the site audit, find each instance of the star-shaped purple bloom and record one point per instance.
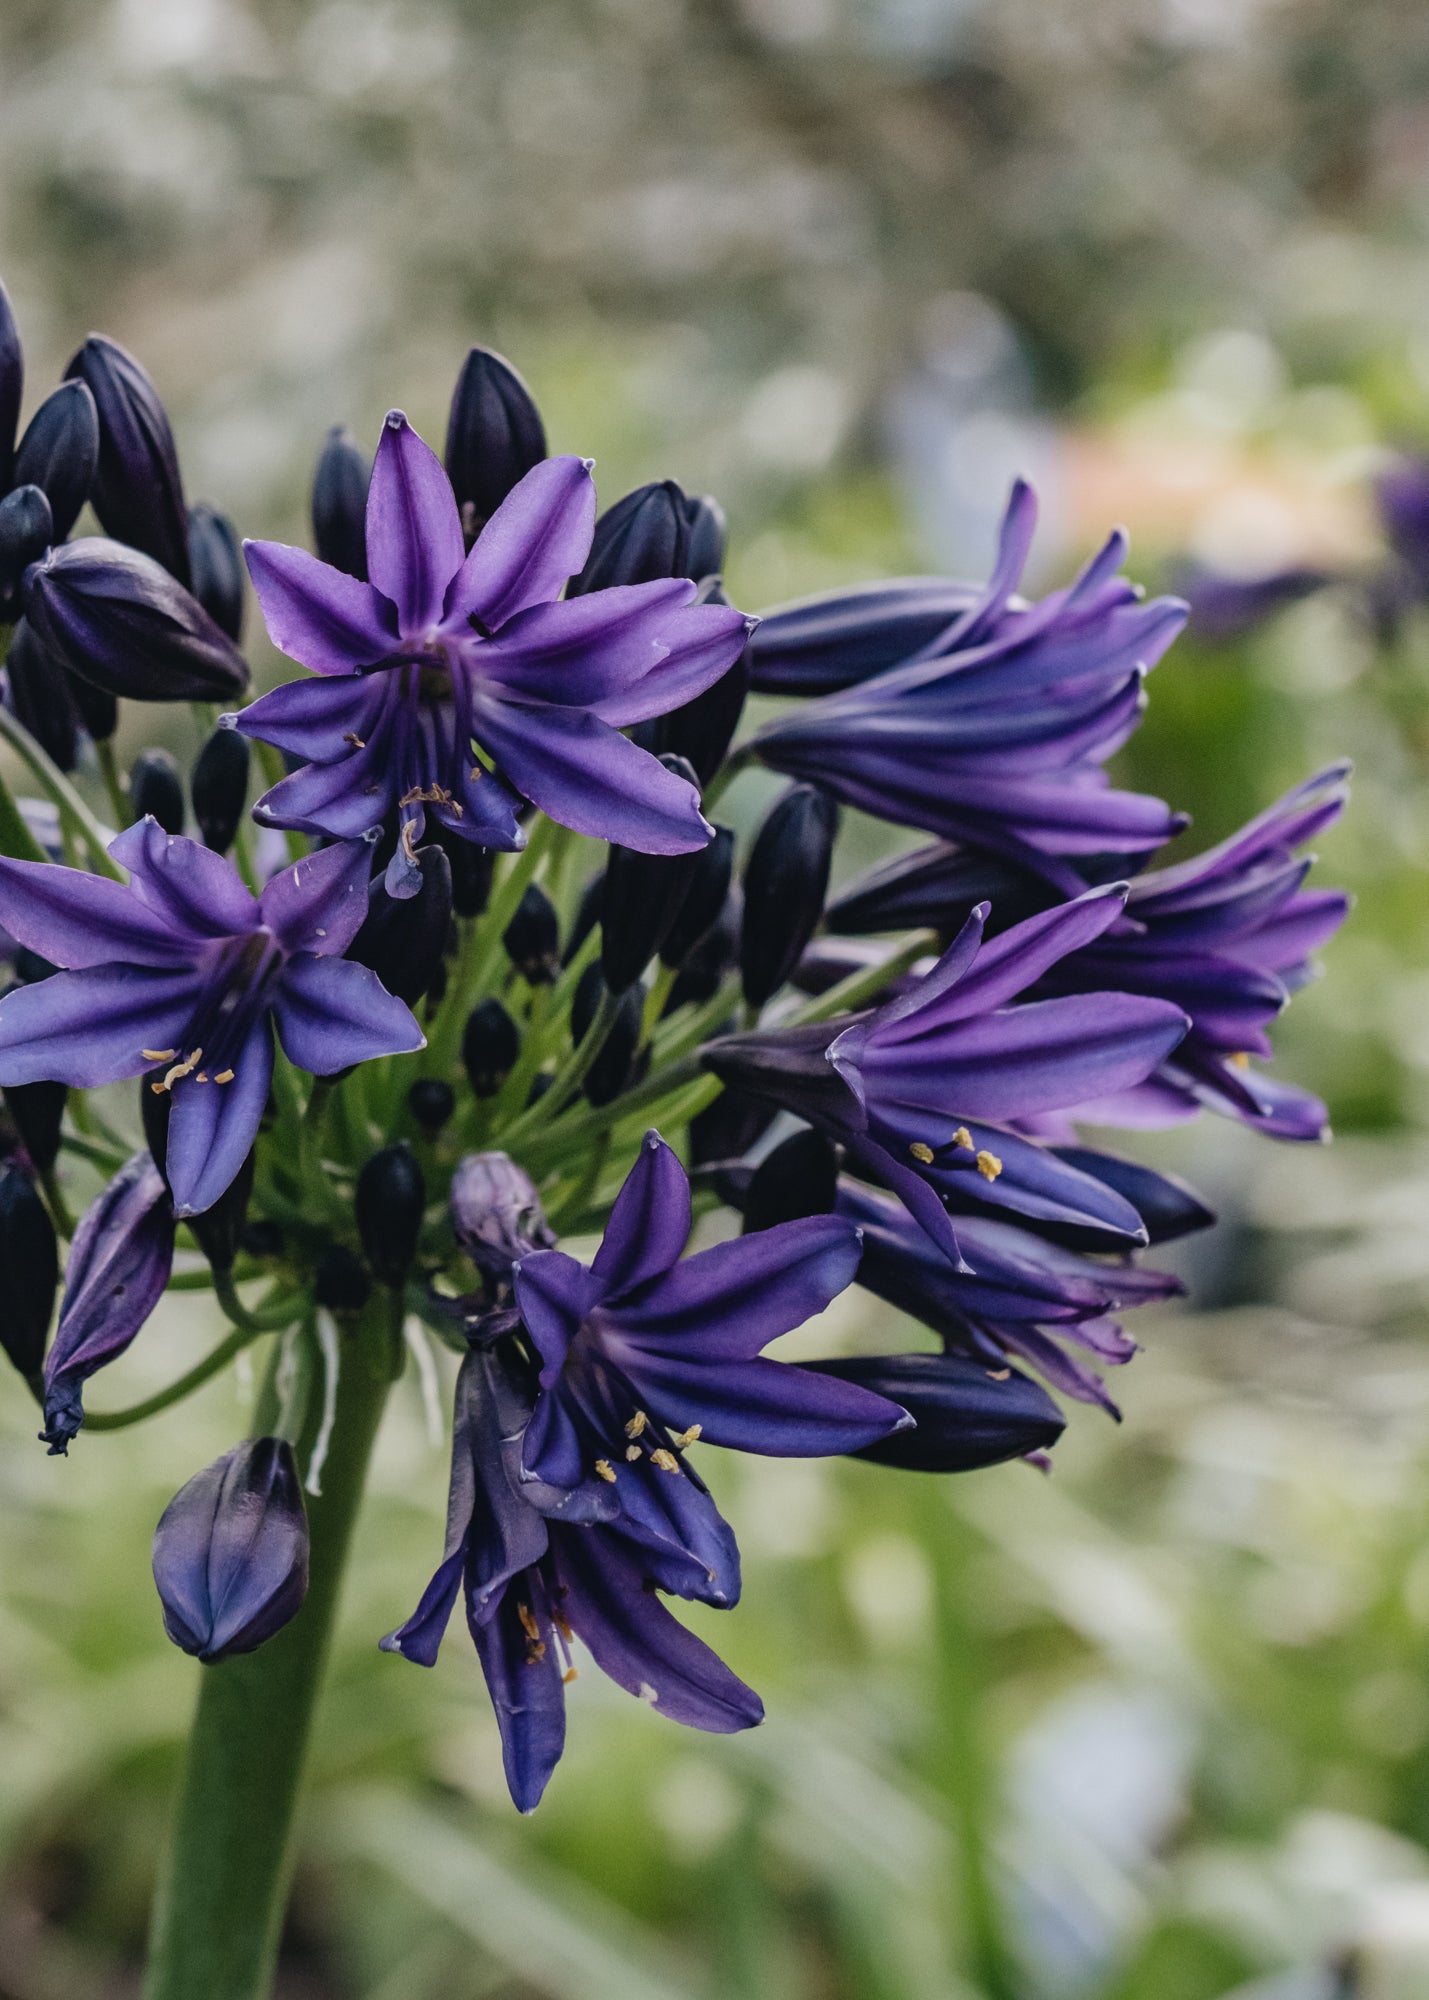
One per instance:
(442, 651)
(184, 973)
(647, 1350)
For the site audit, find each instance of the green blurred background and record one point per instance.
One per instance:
(849, 264)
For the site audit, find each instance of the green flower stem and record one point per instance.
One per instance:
(202, 1371)
(865, 985)
(219, 1910)
(16, 839)
(482, 948)
(58, 1206)
(655, 998)
(119, 801)
(75, 816)
(107, 1158)
(572, 1072)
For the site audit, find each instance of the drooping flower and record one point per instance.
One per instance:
(231, 1552)
(995, 731)
(184, 973)
(442, 651)
(531, 1584)
(925, 1090)
(647, 1350)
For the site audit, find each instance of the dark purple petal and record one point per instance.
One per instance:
(346, 799)
(729, 1302)
(414, 538)
(77, 920)
(967, 1415)
(649, 1223)
(212, 1126)
(92, 1027)
(703, 642)
(537, 538)
(766, 1406)
(529, 1698)
(231, 1552)
(554, 1294)
(1009, 963)
(317, 615)
(194, 891)
(331, 1013)
(636, 1641)
(318, 719)
(588, 777)
(588, 652)
(318, 904)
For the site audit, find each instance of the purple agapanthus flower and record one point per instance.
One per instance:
(532, 1584)
(647, 1350)
(185, 974)
(925, 1090)
(441, 651)
(995, 732)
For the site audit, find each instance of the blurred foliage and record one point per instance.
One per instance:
(1176, 250)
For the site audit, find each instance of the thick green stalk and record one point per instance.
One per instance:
(76, 819)
(219, 1911)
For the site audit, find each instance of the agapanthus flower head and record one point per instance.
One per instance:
(532, 1585)
(455, 684)
(231, 1552)
(927, 1089)
(184, 973)
(995, 731)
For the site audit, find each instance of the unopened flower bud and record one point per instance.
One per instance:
(785, 881)
(97, 709)
(29, 1257)
(219, 788)
(496, 1213)
(708, 533)
(967, 1415)
(710, 957)
(138, 494)
(59, 453)
(704, 898)
(403, 937)
(610, 1072)
(26, 531)
(472, 869)
(119, 620)
(340, 1282)
(42, 696)
(725, 1130)
(37, 1113)
(642, 897)
(800, 1177)
(431, 1103)
(156, 788)
(231, 1552)
(490, 1044)
(390, 1198)
(533, 938)
(12, 384)
(651, 534)
(216, 561)
(494, 436)
(339, 504)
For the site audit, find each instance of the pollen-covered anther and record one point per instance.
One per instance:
(182, 1069)
(632, 1453)
(988, 1165)
(571, 1674)
(923, 1154)
(528, 1622)
(605, 1470)
(999, 1374)
(637, 1424)
(962, 1137)
(689, 1437)
(351, 736)
(158, 1055)
(429, 795)
(666, 1460)
(1240, 1060)
(224, 1076)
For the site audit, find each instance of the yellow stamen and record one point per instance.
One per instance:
(224, 1076)
(999, 1374)
(666, 1460)
(637, 1424)
(688, 1437)
(158, 1055)
(202, 1076)
(988, 1165)
(182, 1069)
(568, 1676)
(351, 736)
(1239, 1061)
(605, 1470)
(528, 1623)
(962, 1137)
(535, 1652)
(921, 1152)
(632, 1453)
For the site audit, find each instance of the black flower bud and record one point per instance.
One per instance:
(219, 576)
(29, 1257)
(708, 533)
(472, 869)
(37, 1113)
(59, 453)
(42, 696)
(403, 938)
(137, 492)
(339, 505)
(26, 531)
(156, 787)
(587, 915)
(390, 1198)
(710, 958)
(496, 1213)
(704, 898)
(231, 1552)
(785, 880)
(725, 1130)
(97, 709)
(967, 1415)
(340, 1282)
(610, 1072)
(431, 1103)
(800, 1177)
(494, 436)
(12, 385)
(121, 622)
(533, 938)
(490, 1044)
(219, 788)
(643, 896)
(651, 534)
